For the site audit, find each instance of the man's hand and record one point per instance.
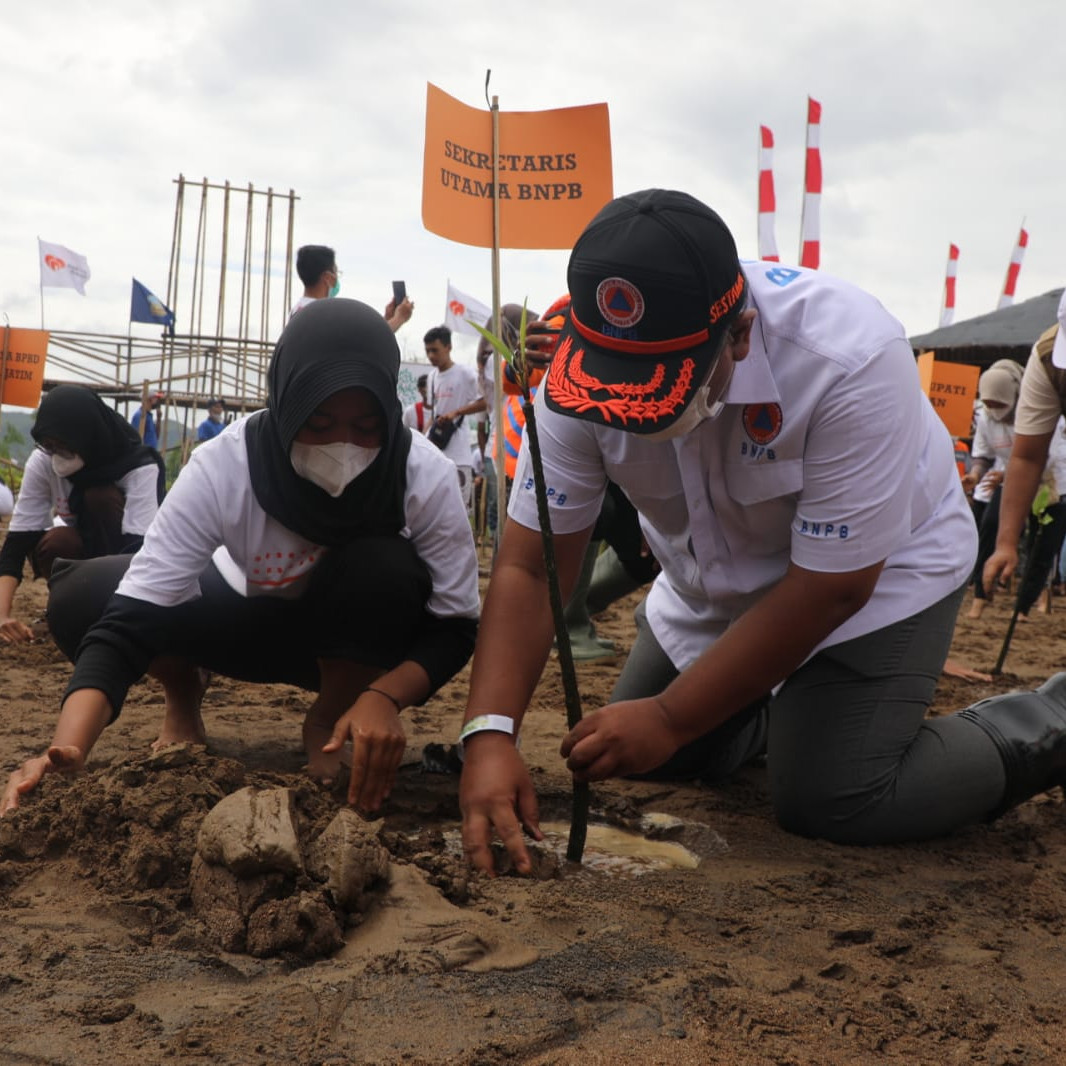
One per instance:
(495, 792)
(378, 744)
(57, 760)
(12, 631)
(631, 737)
(999, 568)
(397, 316)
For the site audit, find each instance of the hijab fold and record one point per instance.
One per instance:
(329, 346)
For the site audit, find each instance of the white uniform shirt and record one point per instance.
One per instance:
(992, 440)
(212, 512)
(827, 455)
(45, 496)
(449, 390)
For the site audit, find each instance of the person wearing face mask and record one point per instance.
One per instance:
(997, 389)
(215, 422)
(317, 542)
(316, 267)
(91, 471)
(801, 496)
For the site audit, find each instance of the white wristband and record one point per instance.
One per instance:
(483, 723)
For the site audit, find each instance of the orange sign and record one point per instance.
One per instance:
(952, 389)
(554, 173)
(23, 368)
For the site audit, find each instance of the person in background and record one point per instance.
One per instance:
(215, 422)
(1042, 401)
(89, 470)
(317, 542)
(7, 499)
(453, 394)
(993, 437)
(419, 415)
(150, 413)
(316, 267)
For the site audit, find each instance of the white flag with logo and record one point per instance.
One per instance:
(462, 308)
(62, 268)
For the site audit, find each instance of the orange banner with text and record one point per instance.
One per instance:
(554, 173)
(24, 352)
(952, 390)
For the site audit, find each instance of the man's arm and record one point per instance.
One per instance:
(1025, 468)
(514, 639)
(762, 648)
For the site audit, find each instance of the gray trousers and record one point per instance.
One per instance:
(850, 754)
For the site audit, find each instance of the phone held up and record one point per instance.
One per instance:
(399, 293)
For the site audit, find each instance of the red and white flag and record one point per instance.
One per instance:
(61, 268)
(1007, 296)
(947, 312)
(810, 220)
(462, 308)
(767, 202)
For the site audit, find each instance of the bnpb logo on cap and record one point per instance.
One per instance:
(620, 302)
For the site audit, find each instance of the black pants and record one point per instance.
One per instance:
(98, 531)
(364, 602)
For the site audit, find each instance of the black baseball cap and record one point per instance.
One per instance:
(655, 282)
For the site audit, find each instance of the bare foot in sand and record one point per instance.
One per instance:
(318, 726)
(183, 723)
(976, 608)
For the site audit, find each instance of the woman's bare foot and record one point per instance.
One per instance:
(977, 608)
(319, 721)
(184, 686)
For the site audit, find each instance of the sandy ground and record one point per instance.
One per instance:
(773, 949)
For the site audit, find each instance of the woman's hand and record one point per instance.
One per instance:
(12, 631)
(378, 742)
(57, 760)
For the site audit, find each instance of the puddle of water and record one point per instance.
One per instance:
(618, 851)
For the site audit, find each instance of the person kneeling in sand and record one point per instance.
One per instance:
(317, 542)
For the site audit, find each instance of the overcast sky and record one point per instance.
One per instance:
(942, 122)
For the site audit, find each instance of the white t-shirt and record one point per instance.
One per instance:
(450, 390)
(410, 417)
(992, 440)
(303, 301)
(7, 500)
(212, 512)
(827, 455)
(45, 496)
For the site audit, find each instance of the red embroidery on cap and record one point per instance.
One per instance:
(620, 302)
(571, 387)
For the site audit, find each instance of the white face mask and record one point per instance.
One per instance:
(214, 417)
(332, 467)
(999, 414)
(65, 465)
(698, 410)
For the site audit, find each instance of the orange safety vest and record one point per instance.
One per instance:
(514, 424)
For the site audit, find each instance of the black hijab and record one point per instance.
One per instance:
(79, 420)
(327, 346)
